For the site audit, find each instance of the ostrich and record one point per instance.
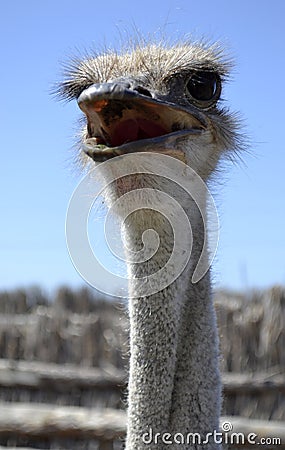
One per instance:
(163, 99)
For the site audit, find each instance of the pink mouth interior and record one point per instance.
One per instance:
(134, 130)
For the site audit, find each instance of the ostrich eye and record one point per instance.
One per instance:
(204, 87)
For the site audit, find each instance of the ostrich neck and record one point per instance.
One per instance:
(174, 384)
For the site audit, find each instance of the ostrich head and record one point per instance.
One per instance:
(155, 98)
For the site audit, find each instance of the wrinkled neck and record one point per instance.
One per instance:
(172, 338)
(162, 244)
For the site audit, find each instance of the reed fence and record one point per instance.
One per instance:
(64, 363)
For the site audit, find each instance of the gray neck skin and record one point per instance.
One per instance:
(174, 383)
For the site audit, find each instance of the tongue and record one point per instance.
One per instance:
(135, 130)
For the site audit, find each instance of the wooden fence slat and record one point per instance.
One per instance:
(38, 375)
(249, 383)
(18, 448)
(34, 420)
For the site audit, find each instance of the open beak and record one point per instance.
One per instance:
(121, 120)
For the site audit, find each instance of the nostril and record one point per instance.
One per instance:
(143, 91)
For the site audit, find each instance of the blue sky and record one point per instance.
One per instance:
(37, 133)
